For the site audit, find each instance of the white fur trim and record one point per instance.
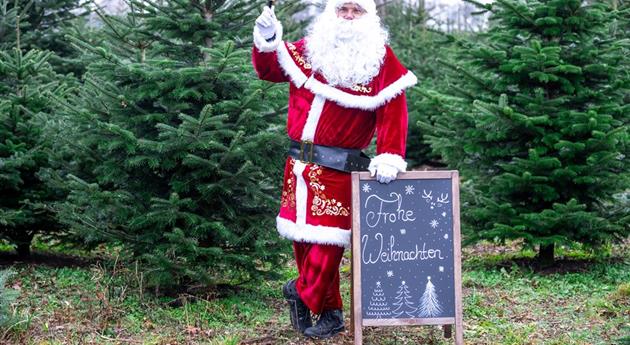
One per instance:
(362, 102)
(308, 133)
(289, 67)
(390, 159)
(342, 98)
(300, 192)
(261, 43)
(368, 5)
(313, 233)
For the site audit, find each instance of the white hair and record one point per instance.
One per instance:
(346, 52)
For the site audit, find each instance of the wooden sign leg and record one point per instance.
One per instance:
(355, 310)
(351, 297)
(358, 332)
(357, 316)
(459, 334)
(459, 317)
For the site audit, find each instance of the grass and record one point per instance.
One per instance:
(583, 300)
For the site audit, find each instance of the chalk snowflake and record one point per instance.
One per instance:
(409, 189)
(434, 223)
(441, 268)
(403, 231)
(390, 274)
(366, 188)
(446, 236)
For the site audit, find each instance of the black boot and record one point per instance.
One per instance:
(299, 312)
(330, 323)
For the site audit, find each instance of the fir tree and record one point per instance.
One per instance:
(178, 145)
(27, 82)
(418, 47)
(43, 24)
(536, 121)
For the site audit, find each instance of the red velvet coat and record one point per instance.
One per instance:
(316, 201)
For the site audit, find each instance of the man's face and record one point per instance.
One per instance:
(350, 11)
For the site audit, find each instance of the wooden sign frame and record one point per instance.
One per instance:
(357, 321)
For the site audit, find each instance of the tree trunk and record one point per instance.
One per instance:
(22, 240)
(546, 254)
(207, 15)
(380, 5)
(23, 249)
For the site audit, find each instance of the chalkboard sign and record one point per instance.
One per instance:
(406, 251)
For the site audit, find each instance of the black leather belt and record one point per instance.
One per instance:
(331, 157)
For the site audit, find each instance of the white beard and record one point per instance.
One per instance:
(346, 52)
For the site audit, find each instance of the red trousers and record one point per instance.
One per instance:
(318, 280)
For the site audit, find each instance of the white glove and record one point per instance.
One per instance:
(385, 173)
(266, 23)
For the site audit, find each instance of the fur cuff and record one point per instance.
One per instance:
(261, 43)
(390, 159)
(313, 233)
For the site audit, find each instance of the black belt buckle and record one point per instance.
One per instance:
(306, 144)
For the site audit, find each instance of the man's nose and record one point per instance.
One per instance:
(348, 16)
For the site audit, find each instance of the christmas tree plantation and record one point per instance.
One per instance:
(180, 145)
(417, 47)
(42, 26)
(537, 123)
(27, 83)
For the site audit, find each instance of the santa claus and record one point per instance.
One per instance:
(345, 84)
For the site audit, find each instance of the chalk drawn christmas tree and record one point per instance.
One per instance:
(378, 307)
(429, 304)
(403, 303)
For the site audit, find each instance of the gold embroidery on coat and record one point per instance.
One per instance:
(288, 195)
(321, 204)
(300, 60)
(361, 88)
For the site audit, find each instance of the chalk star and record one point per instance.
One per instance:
(434, 223)
(366, 188)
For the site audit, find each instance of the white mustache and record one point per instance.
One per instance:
(347, 29)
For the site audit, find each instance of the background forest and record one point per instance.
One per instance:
(139, 156)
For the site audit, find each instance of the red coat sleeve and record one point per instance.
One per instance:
(265, 56)
(391, 116)
(391, 127)
(267, 66)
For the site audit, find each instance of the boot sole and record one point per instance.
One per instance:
(328, 335)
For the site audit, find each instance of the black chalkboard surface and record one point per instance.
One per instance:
(406, 251)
